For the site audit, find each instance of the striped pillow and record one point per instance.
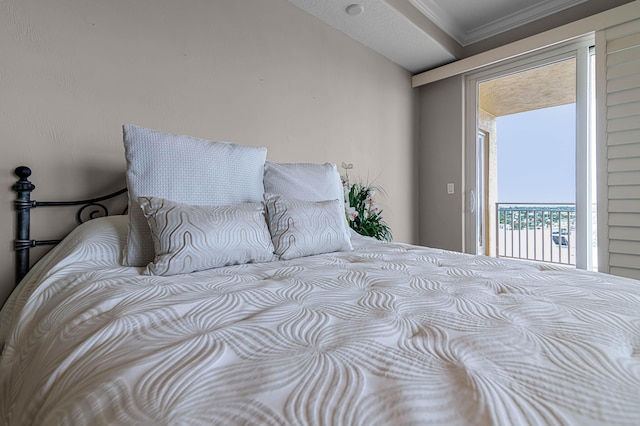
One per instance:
(304, 228)
(194, 238)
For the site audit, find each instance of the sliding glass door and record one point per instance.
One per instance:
(533, 227)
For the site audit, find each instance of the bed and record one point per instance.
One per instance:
(371, 333)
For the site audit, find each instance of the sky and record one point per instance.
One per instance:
(536, 156)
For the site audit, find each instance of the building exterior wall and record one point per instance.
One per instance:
(487, 124)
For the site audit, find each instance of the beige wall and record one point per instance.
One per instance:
(440, 161)
(246, 71)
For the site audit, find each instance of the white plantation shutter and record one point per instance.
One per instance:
(619, 112)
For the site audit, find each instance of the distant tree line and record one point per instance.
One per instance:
(537, 217)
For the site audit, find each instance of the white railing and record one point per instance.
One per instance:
(542, 232)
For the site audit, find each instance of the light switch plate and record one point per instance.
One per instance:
(450, 188)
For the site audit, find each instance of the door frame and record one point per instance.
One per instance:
(482, 187)
(576, 48)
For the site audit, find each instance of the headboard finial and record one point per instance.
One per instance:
(23, 172)
(23, 185)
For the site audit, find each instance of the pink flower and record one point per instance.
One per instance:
(351, 213)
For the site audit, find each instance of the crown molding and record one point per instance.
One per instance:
(465, 36)
(571, 31)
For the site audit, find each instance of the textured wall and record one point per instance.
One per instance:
(250, 72)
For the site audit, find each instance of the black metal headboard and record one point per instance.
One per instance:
(23, 205)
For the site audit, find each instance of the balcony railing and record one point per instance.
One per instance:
(542, 232)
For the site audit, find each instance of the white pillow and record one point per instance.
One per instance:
(194, 238)
(303, 181)
(303, 228)
(186, 170)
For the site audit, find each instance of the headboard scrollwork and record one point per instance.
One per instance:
(89, 209)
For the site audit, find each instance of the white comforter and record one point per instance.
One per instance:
(386, 334)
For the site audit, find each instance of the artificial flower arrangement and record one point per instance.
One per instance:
(363, 214)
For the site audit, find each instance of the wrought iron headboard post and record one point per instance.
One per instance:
(24, 204)
(22, 243)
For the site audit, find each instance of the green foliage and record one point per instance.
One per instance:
(363, 214)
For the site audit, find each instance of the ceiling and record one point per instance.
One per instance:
(471, 21)
(423, 34)
(529, 90)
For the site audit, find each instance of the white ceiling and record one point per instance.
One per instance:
(469, 21)
(381, 28)
(422, 34)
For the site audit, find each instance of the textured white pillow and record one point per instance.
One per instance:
(303, 228)
(303, 181)
(194, 238)
(186, 170)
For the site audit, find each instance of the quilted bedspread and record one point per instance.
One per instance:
(386, 334)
